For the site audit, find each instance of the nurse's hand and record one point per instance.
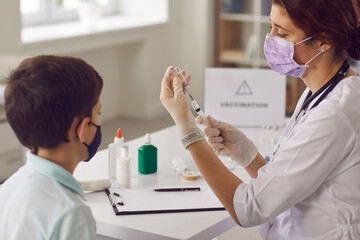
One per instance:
(226, 140)
(173, 98)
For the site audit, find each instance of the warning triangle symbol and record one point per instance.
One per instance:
(244, 89)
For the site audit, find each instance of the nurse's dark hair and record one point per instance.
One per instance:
(43, 96)
(336, 21)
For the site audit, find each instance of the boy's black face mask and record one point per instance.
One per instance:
(94, 145)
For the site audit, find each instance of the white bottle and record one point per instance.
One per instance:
(115, 153)
(123, 168)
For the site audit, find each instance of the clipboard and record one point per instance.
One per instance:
(147, 201)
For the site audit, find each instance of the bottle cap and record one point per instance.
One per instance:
(118, 138)
(147, 139)
(118, 133)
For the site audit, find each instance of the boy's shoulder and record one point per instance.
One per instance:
(30, 185)
(29, 198)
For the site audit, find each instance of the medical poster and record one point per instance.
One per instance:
(245, 97)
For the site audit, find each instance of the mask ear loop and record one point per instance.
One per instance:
(320, 52)
(77, 126)
(303, 40)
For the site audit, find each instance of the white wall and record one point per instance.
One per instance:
(132, 72)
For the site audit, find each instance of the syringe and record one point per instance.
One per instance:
(194, 104)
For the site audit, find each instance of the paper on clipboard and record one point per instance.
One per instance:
(147, 201)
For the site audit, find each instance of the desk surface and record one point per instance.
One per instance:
(193, 225)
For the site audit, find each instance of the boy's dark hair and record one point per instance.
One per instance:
(45, 93)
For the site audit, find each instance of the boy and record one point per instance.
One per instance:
(53, 104)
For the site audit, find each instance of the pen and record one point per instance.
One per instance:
(181, 189)
(112, 200)
(120, 200)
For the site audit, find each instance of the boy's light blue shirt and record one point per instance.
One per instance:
(42, 201)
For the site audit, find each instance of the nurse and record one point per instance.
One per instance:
(311, 187)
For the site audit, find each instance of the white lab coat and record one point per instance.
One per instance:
(311, 187)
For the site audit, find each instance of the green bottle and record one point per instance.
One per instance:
(147, 157)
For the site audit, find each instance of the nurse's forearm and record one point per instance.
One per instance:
(221, 180)
(253, 168)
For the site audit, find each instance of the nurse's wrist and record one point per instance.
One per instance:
(253, 167)
(192, 137)
(246, 158)
(186, 130)
(250, 161)
(186, 126)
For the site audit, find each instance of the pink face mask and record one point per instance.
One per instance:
(280, 56)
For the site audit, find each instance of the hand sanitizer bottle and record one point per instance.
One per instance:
(123, 168)
(115, 153)
(147, 157)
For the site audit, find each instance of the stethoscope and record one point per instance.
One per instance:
(326, 89)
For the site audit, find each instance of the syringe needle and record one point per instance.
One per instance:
(194, 104)
(191, 97)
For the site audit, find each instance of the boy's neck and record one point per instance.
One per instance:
(64, 155)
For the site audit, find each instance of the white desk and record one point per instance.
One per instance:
(193, 225)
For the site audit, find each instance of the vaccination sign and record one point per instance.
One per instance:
(245, 97)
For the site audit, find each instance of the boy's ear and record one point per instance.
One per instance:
(82, 125)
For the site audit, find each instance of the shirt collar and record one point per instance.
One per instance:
(54, 172)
